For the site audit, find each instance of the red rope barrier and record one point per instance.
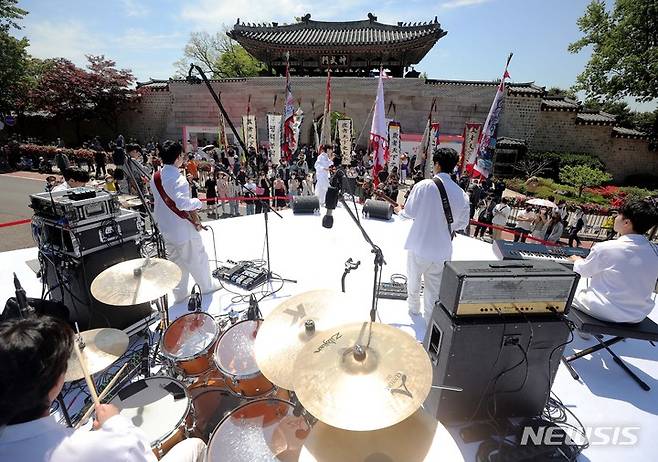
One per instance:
(15, 223)
(515, 233)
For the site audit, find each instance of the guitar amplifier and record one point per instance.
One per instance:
(492, 288)
(82, 240)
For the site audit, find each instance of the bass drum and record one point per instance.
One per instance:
(160, 407)
(261, 430)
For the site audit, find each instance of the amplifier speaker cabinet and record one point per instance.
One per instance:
(79, 274)
(380, 210)
(305, 205)
(474, 352)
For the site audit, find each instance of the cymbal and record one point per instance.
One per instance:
(375, 384)
(120, 285)
(102, 348)
(417, 438)
(283, 333)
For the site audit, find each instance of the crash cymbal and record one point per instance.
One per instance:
(135, 281)
(283, 333)
(363, 376)
(101, 348)
(418, 438)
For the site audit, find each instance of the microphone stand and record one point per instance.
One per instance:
(265, 204)
(159, 242)
(379, 261)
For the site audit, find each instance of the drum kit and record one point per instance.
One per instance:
(310, 382)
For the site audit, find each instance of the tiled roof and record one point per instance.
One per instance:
(505, 141)
(559, 104)
(154, 84)
(513, 87)
(622, 132)
(308, 33)
(602, 118)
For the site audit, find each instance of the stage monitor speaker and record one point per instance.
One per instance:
(305, 204)
(77, 276)
(485, 357)
(380, 210)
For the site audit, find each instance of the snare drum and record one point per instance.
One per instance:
(261, 430)
(160, 407)
(189, 341)
(235, 358)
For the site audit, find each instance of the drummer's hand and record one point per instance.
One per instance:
(103, 413)
(398, 209)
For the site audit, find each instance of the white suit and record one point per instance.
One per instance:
(182, 240)
(322, 175)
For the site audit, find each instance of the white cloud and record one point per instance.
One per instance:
(66, 39)
(139, 39)
(211, 14)
(452, 4)
(134, 8)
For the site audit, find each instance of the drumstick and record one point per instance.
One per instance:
(83, 366)
(103, 394)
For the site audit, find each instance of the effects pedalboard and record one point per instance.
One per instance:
(245, 275)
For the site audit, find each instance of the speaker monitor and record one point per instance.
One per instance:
(76, 294)
(484, 355)
(380, 210)
(305, 204)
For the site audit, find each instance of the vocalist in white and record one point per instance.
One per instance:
(322, 173)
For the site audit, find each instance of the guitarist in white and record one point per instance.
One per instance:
(176, 214)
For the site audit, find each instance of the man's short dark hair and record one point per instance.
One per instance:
(170, 152)
(76, 174)
(447, 159)
(133, 147)
(643, 213)
(34, 353)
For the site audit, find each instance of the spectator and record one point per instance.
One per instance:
(62, 161)
(608, 225)
(524, 224)
(577, 227)
(250, 202)
(51, 182)
(501, 214)
(191, 167)
(539, 223)
(211, 195)
(194, 186)
(74, 177)
(553, 228)
(485, 215)
(222, 190)
(234, 191)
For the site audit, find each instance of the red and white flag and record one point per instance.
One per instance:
(289, 143)
(379, 133)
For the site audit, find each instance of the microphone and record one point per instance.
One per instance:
(21, 298)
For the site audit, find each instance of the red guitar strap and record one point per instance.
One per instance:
(157, 179)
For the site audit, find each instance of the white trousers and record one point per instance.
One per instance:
(192, 259)
(189, 450)
(431, 273)
(321, 188)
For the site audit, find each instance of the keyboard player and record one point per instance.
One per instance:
(618, 277)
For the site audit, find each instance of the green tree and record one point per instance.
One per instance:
(557, 91)
(582, 177)
(624, 43)
(15, 63)
(9, 14)
(219, 56)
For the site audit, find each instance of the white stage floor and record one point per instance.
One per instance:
(301, 249)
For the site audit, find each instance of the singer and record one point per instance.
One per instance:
(175, 212)
(429, 244)
(322, 173)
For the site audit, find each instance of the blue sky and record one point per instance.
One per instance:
(148, 36)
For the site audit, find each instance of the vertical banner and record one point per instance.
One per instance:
(394, 146)
(249, 131)
(222, 141)
(470, 146)
(297, 126)
(433, 144)
(344, 127)
(274, 136)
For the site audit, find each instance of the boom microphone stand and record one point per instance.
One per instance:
(265, 204)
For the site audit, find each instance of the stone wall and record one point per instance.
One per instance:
(164, 113)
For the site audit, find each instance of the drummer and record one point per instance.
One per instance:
(34, 354)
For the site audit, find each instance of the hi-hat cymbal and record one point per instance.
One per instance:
(283, 333)
(418, 438)
(125, 284)
(363, 376)
(101, 348)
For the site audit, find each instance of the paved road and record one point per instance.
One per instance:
(15, 189)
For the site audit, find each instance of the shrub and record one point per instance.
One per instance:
(49, 152)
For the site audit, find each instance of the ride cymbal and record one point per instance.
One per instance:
(284, 332)
(135, 281)
(101, 348)
(417, 438)
(363, 376)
